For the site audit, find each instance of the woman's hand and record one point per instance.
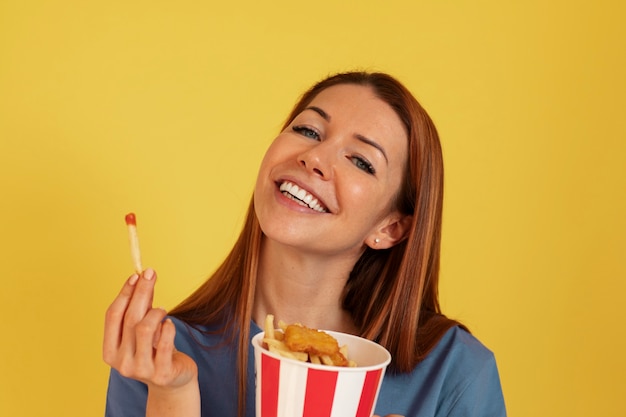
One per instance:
(139, 344)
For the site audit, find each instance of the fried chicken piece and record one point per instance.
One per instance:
(339, 359)
(299, 338)
(302, 339)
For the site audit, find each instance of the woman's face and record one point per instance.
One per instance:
(328, 181)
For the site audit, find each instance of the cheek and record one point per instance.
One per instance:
(372, 201)
(363, 198)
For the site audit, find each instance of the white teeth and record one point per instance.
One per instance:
(301, 196)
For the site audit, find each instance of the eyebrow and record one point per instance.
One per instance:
(362, 138)
(319, 111)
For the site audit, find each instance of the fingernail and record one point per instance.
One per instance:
(133, 279)
(148, 274)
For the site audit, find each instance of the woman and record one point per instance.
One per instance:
(343, 233)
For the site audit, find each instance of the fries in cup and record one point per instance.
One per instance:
(295, 341)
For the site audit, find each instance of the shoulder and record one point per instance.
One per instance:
(460, 348)
(472, 386)
(461, 360)
(459, 373)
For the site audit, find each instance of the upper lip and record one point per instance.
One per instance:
(305, 188)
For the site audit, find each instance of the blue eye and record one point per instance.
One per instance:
(306, 132)
(363, 164)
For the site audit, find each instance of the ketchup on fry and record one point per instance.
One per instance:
(130, 219)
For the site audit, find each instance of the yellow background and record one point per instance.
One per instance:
(165, 108)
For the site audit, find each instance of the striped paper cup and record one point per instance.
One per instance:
(290, 388)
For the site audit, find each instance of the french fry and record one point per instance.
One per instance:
(133, 239)
(299, 356)
(344, 350)
(273, 343)
(268, 327)
(326, 360)
(279, 347)
(282, 325)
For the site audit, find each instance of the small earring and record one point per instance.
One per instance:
(377, 240)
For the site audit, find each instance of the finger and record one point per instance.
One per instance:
(141, 300)
(165, 352)
(114, 318)
(140, 303)
(144, 336)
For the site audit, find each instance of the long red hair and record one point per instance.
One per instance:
(392, 294)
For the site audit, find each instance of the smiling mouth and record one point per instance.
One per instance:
(302, 197)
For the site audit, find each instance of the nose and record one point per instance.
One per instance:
(318, 160)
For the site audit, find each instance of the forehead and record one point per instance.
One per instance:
(356, 100)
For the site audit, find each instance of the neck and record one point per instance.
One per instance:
(302, 288)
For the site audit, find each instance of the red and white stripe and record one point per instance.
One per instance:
(290, 391)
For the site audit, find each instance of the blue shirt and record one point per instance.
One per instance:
(458, 378)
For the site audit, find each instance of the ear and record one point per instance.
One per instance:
(392, 230)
